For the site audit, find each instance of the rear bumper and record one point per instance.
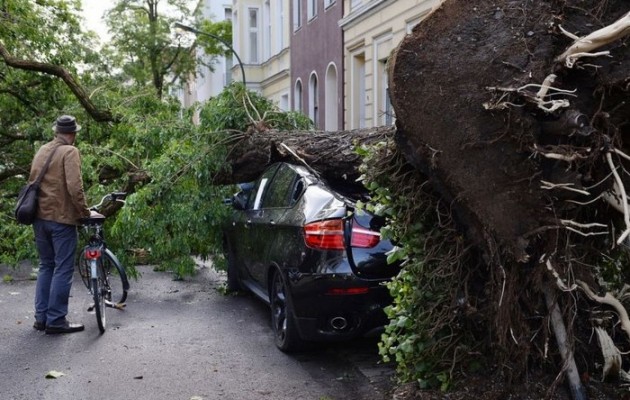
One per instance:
(325, 317)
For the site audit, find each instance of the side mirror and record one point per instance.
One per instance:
(239, 200)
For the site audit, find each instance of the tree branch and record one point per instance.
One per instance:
(63, 74)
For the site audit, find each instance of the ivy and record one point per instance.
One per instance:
(423, 336)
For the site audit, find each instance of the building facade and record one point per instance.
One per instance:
(261, 38)
(372, 29)
(317, 61)
(216, 72)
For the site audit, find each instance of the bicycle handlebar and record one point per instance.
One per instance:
(114, 196)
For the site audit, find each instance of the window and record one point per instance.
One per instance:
(281, 187)
(256, 195)
(312, 9)
(390, 115)
(253, 35)
(382, 106)
(279, 25)
(297, 14)
(266, 42)
(331, 98)
(297, 101)
(228, 60)
(328, 3)
(358, 91)
(383, 103)
(313, 100)
(284, 102)
(236, 26)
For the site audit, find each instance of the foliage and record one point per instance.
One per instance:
(179, 212)
(424, 336)
(141, 38)
(214, 36)
(49, 32)
(236, 109)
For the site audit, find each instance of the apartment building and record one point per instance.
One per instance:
(212, 77)
(317, 61)
(325, 58)
(372, 29)
(261, 38)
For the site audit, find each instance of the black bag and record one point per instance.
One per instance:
(27, 202)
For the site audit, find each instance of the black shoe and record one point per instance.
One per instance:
(67, 327)
(40, 326)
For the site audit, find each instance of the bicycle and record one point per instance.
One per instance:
(100, 270)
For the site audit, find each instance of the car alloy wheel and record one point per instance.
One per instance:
(286, 335)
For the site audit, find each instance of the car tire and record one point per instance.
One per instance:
(233, 284)
(285, 330)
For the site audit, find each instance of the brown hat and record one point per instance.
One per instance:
(66, 124)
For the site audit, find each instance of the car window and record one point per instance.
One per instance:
(256, 195)
(280, 188)
(259, 193)
(296, 193)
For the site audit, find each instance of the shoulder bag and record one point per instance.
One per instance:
(27, 202)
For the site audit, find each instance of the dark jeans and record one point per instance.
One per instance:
(56, 245)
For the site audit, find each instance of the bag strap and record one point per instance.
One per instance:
(43, 171)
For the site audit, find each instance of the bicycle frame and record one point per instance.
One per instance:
(96, 263)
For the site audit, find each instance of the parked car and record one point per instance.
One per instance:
(303, 248)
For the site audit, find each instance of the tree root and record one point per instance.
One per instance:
(610, 300)
(560, 332)
(583, 46)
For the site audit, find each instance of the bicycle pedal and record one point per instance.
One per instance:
(117, 306)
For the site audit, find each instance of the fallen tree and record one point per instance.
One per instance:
(531, 166)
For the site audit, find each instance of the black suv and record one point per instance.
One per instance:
(302, 247)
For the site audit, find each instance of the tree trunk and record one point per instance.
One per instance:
(332, 154)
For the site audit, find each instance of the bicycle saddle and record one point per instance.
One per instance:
(94, 218)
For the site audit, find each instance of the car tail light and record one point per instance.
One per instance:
(364, 238)
(347, 291)
(328, 235)
(324, 235)
(92, 254)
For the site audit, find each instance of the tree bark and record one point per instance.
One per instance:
(332, 154)
(60, 72)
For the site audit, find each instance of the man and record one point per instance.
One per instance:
(61, 204)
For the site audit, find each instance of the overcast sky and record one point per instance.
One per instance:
(93, 11)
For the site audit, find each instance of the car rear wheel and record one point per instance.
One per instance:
(286, 335)
(232, 284)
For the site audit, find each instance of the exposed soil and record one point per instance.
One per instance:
(486, 164)
(479, 159)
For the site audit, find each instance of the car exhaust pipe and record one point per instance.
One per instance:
(338, 323)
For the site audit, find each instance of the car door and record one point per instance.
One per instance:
(269, 228)
(246, 244)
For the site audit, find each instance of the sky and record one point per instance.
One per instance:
(93, 11)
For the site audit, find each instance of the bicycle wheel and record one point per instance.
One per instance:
(116, 281)
(83, 266)
(98, 292)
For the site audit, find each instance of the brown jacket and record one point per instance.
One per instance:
(61, 197)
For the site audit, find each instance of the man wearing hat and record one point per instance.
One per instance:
(61, 204)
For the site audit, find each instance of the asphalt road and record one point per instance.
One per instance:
(175, 340)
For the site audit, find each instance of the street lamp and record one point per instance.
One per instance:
(198, 32)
